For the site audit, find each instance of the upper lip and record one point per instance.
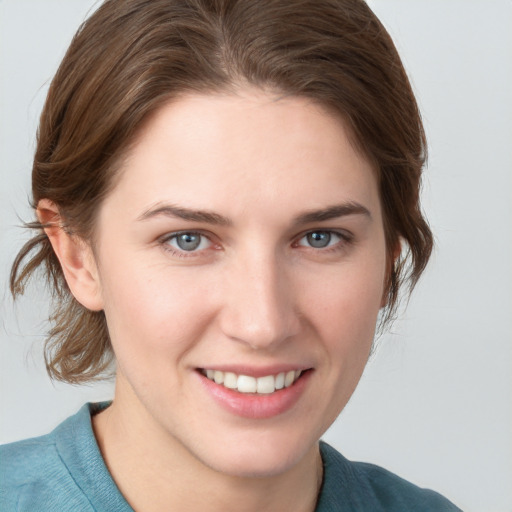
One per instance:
(254, 371)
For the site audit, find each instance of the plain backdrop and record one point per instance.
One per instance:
(435, 402)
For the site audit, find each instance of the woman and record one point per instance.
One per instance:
(227, 195)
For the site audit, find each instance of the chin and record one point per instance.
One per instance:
(259, 457)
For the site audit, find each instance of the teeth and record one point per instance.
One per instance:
(280, 380)
(247, 384)
(230, 380)
(289, 378)
(266, 384)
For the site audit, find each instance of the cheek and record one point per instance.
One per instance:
(152, 311)
(346, 309)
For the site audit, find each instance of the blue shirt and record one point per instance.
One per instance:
(64, 471)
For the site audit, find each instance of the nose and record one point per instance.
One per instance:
(259, 304)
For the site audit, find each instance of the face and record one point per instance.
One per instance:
(241, 262)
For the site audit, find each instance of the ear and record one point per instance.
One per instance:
(75, 256)
(390, 264)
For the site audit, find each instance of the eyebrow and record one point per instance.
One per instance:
(333, 212)
(209, 217)
(169, 210)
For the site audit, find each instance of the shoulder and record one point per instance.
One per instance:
(27, 464)
(390, 488)
(370, 487)
(34, 476)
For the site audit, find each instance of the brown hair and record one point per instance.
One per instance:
(132, 56)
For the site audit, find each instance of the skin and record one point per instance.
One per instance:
(255, 293)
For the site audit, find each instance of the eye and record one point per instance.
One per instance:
(188, 241)
(320, 239)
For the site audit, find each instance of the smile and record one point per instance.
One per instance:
(246, 384)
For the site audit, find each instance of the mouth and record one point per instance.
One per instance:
(256, 394)
(264, 385)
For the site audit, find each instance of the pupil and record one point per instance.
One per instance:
(188, 241)
(319, 239)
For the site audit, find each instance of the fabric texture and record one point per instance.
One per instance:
(64, 471)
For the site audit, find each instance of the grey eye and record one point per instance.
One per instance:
(188, 241)
(183, 242)
(319, 239)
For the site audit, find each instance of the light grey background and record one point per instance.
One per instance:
(435, 403)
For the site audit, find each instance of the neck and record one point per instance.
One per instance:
(155, 472)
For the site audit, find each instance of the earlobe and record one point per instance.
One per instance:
(75, 257)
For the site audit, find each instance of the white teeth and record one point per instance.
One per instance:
(266, 384)
(230, 380)
(280, 380)
(247, 384)
(289, 378)
(218, 377)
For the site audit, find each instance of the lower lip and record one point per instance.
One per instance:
(256, 406)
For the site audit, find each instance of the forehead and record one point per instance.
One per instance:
(234, 151)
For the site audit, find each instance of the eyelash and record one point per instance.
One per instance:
(345, 239)
(181, 253)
